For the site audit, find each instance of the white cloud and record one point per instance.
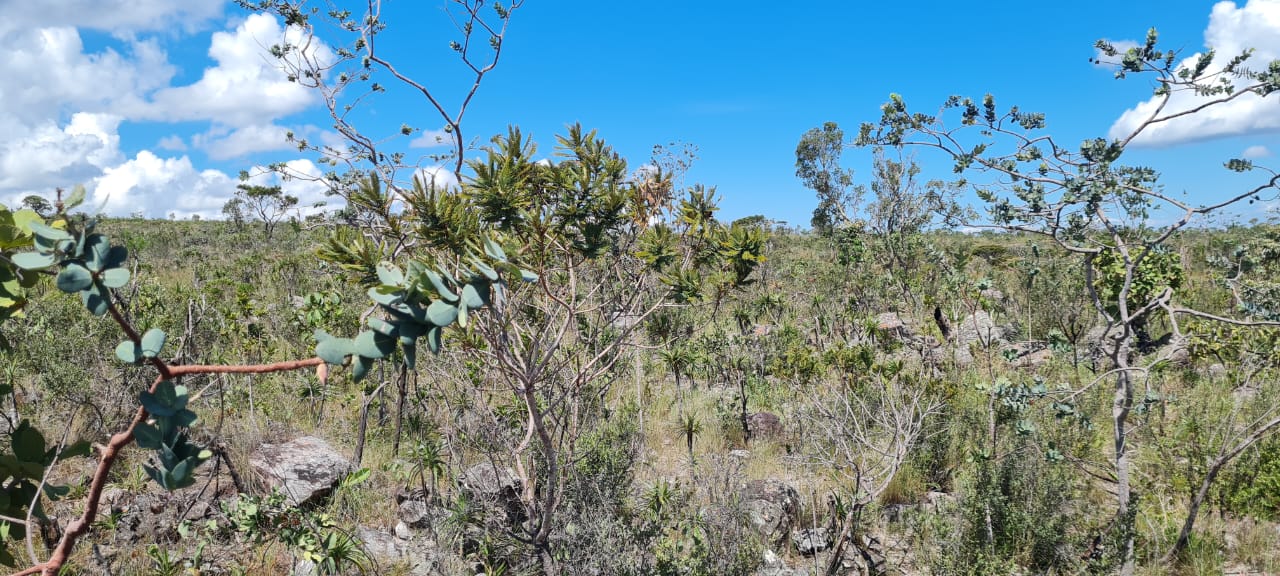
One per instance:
(442, 177)
(120, 16)
(432, 139)
(305, 184)
(47, 73)
(222, 143)
(1232, 29)
(246, 87)
(61, 107)
(172, 142)
(46, 156)
(1255, 152)
(159, 186)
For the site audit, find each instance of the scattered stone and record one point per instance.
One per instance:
(740, 454)
(402, 531)
(939, 502)
(810, 541)
(980, 328)
(415, 514)
(764, 425)
(772, 507)
(305, 470)
(490, 482)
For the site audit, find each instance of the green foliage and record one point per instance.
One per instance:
(166, 433)
(1158, 271)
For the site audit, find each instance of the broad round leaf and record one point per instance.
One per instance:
(96, 247)
(442, 313)
(389, 274)
(116, 257)
(476, 297)
(360, 367)
(48, 232)
(335, 350)
(94, 301)
(74, 278)
(128, 352)
(32, 260)
(115, 277)
(152, 342)
(373, 345)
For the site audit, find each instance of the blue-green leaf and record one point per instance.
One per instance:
(32, 260)
(115, 257)
(494, 250)
(96, 248)
(441, 313)
(115, 277)
(433, 339)
(439, 285)
(128, 352)
(475, 297)
(360, 367)
(335, 350)
(389, 274)
(74, 278)
(94, 300)
(152, 342)
(48, 232)
(148, 436)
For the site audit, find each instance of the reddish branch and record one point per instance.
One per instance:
(111, 452)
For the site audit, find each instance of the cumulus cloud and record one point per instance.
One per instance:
(223, 143)
(45, 156)
(1255, 152)
(441, 176)
(62, 106)
(246, 87)
(158, 186)
(432, 139)
(304, 183)
(120, 16)
(172, 142)
(1232, 29)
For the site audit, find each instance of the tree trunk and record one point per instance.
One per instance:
(1122, 402)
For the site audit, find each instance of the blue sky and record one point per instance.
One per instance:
(156, 105)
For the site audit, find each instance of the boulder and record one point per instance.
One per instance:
(490, 482)
(772, 507)
(305, 470)
(980, 328)
(810, 541)
(764, 425)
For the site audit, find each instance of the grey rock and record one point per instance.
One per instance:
(810, 541)
(402, 531)
(415, 514)
(740, 454)
(305, 469)
(771, 507)
(980, 328)
(763, 425)
(488, 481)
(939, 502)
(386, 550)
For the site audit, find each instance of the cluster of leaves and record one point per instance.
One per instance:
(86, 261)
(166, 433)
(420, 302)
(23, 469)
(316, 535)
(1155, 272)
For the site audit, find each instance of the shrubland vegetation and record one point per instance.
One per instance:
(574, 367)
